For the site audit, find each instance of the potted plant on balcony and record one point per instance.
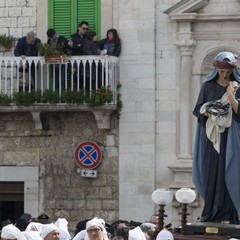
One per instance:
(101, 96)
(7, 41)
(52, 54)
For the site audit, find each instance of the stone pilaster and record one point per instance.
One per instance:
(182, 167)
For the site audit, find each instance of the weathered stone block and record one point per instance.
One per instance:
(93, 204)
(78, 204)
(110, 140)
(27, 157)
(105, 193)
(110, 204)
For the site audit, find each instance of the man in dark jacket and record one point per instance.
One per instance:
(57, 40)
(61, 44)
(27, 46)
(76, 42)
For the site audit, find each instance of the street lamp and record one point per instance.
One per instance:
(161, 197)
(185, 196)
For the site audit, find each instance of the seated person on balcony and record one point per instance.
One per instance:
(76, 44)
(111, 45)
(61, 44)
(91, 48)
(27, 47)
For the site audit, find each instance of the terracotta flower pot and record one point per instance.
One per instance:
(9, 45)
(56, 59)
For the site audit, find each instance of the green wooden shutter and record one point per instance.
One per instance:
(86, 11)
(65, 15)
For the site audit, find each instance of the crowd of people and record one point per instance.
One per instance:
(83, 42)
(43, 228)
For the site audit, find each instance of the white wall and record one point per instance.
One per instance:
(137, 138)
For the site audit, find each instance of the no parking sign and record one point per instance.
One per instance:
(88, 155)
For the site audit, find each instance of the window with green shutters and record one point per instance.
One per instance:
(65, 15)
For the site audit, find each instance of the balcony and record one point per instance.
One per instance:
(77, 83)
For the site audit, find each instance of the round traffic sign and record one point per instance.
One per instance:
(88, 155)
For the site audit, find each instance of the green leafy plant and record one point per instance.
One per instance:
(119, 101)
(70, 96)
(47, 50)
(24, 98)
(28, 98)
(50, 96)
(7, 40)
(98, 97)
(54, 54)
(4, 99)
(101, 96)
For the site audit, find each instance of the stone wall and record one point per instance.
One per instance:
(137, 145)
(18, 17)
(63, 191)
(158, 92)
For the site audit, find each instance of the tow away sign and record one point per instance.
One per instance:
(88, 155)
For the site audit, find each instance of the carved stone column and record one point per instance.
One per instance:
(182, 168)
(185, 133)
(186, 44)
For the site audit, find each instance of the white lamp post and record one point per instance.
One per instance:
(161, 197)
(185, 196)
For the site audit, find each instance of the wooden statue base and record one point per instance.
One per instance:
(179, 236)
(208, 230)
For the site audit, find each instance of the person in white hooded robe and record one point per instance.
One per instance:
(62, 224)
(80, 235)
(165, 235)
(95, 230)
(136, 234)
(10, 232)
(50, 232)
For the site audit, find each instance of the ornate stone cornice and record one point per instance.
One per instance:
(204, 17)
(186, 6)
(188, 10)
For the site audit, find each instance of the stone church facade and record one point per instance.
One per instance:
(167, 49)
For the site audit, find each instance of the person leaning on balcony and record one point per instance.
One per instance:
(111, 45)
(57, 40)
(91, 44)
(27, 46)
(76, 44)
(77, 41)
(91, 48)
(61, 43)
